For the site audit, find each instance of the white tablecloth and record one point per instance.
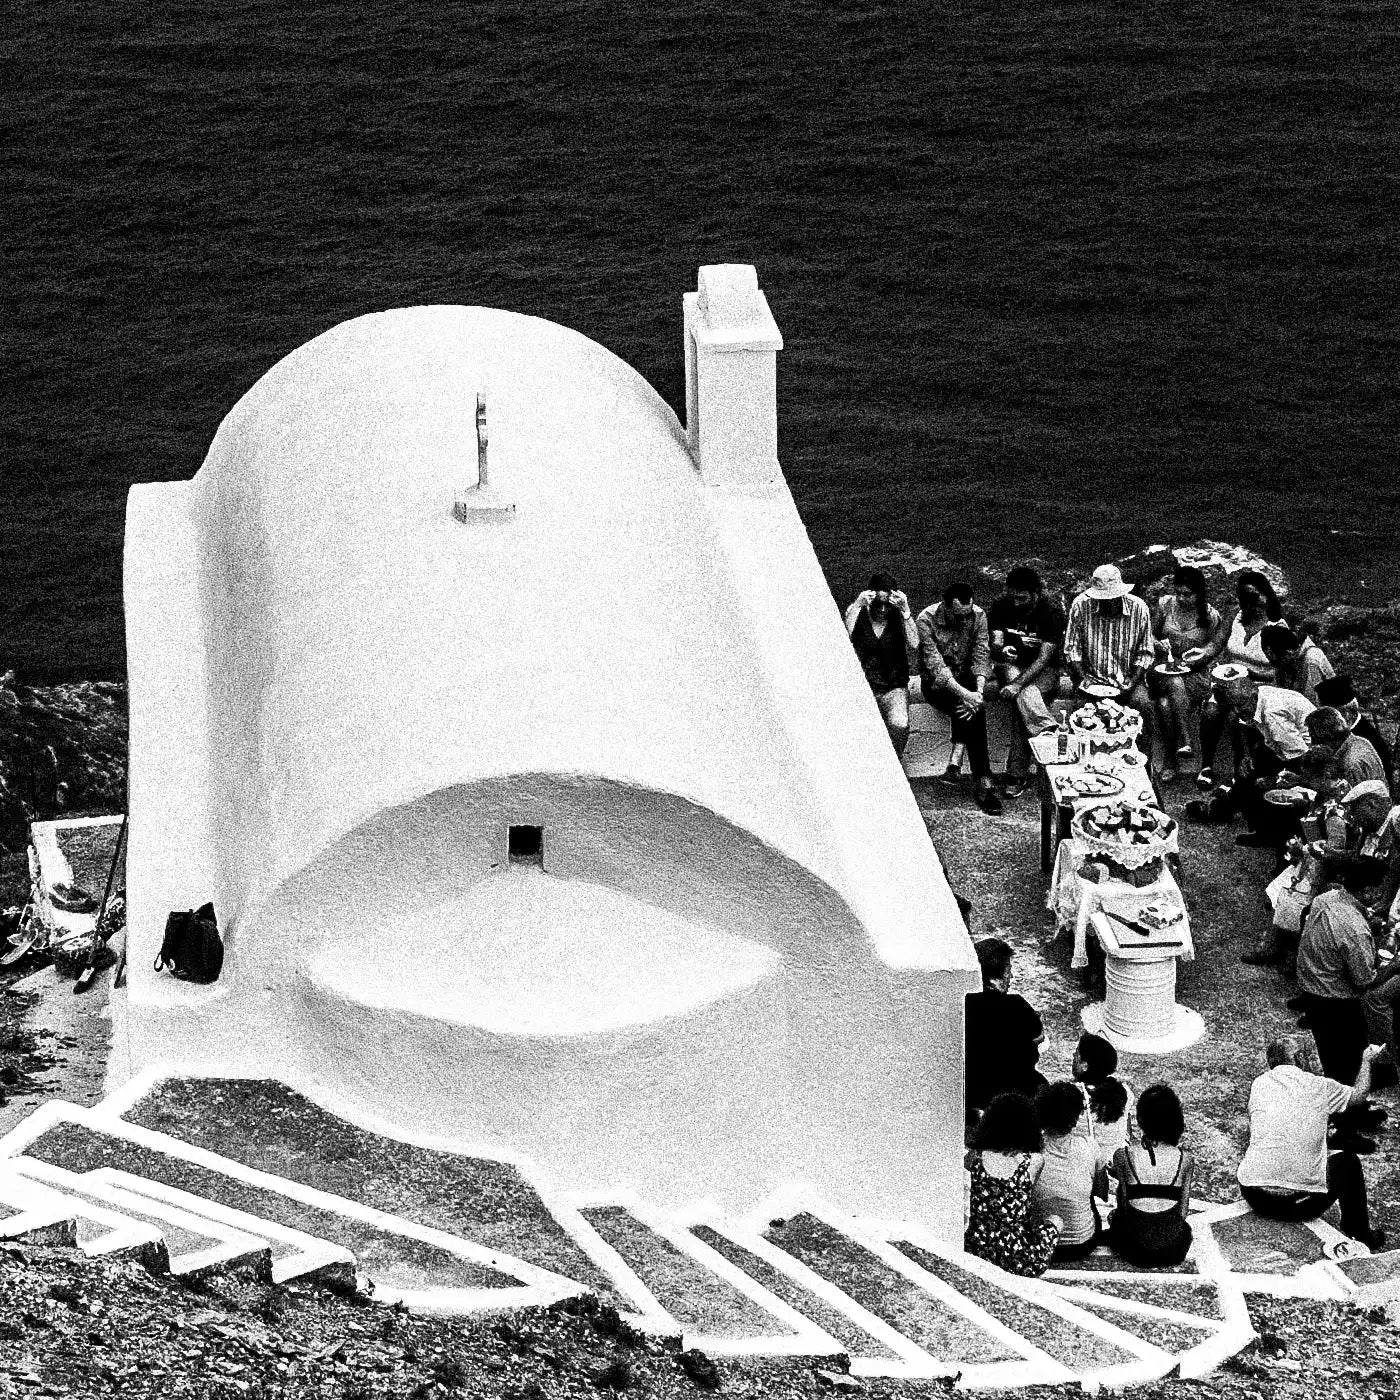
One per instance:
(1075, 901)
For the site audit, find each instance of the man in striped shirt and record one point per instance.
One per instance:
(1108, 645)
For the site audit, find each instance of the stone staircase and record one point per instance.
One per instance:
(796, 1278)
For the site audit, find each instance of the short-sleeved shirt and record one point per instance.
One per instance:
(1303, 674)
(1280, 716)
(1336, 953)
(1288, 1112)
(1065, 1186)
(1181, 628)
(1043, 621)
(1356, 761)
(1002, 1032)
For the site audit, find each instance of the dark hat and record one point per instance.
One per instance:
(1337, 690)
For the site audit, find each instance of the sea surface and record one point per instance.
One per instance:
(1057, 279)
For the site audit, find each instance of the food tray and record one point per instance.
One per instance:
(1074, 787)
(1146, 833)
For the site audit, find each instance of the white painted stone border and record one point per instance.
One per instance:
(540, 1287)
(45, 1207)
(1319, 1280)
(909, 1361)
(230, 1246)
(1035, 1368)
(1151, 1363)
(805, 1337)
(309, 1255)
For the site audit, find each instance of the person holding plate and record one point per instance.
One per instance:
(1026, 630)
(1188, 630)
(1108, 646)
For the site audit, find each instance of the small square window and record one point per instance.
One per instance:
(526, 845)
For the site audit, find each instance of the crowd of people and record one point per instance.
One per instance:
(1311, 778)
(1058, 1169)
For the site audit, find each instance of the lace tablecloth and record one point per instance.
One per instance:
(1075, 901)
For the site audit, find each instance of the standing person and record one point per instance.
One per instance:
(1108, 644)
(955, 663)
(1004, 1161)
(1187, 629)
(1257, 605)
(1071, 1173)
(1027, 629)
(1287, 1172)
(1299, 663)
(883, 634)
(1150, 1229)
(1337, 964)
(1340, 693)
(1003, 1032)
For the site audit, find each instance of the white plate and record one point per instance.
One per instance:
(1229, 671)
(1100, 692)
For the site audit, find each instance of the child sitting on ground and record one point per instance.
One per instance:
(1106, 1098)
(1004, 1161)
(1072, 1173)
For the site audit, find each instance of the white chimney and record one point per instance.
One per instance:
(731, 378)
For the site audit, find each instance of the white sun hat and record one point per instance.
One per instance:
(1107, 583)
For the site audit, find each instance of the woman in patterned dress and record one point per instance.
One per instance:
(1004, 1161)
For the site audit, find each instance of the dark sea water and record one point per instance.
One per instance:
(1059, 279)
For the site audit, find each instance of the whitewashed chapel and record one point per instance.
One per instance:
(552, 814)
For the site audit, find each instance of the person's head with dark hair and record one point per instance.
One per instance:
(957, 598)
(1355, 873)
(1192, 592)
(1340, 693)
(882, 582)
(1327, 727)
(1008, 1125)
(1108, 1100)
(1159, 1116)
(1059, 1106)
(1280, 642)
(1094, 1058)
(1256, 595)
(994, 957)
(1024, 580)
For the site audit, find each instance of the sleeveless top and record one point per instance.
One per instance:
(1003, 1228)
(1183, 629)
(884, 658)
(1248, 651)
(1152, 1231)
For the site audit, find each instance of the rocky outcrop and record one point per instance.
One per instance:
(62, 751)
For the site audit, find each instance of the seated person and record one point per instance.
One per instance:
(1003, 1032)
(1287, 1172)
(955, 663)
(1106, 1098)
(1352, 759)
(1004, 1161)
(1149, 1228)
(1026, 631)
(1340, 694)
(882, 632)
(1337, 963)
(1187, 630)
(1257, 606)
(1299, 663)
(1108, 644)
(1071, 1173)
(1274, 735)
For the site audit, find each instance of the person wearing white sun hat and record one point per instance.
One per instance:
(1108, 645)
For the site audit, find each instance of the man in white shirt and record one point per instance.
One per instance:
(1276, 735)
(1287, 1172)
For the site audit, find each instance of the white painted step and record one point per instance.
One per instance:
(42, 1215)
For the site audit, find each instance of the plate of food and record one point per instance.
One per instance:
(1100, 691)
(1123, 827)
(1229, 671)
(1072, 786)
(1290, 796)
(1171, 668)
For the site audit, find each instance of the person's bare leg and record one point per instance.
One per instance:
(894, 710)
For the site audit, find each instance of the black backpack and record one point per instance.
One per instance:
(193, 950)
